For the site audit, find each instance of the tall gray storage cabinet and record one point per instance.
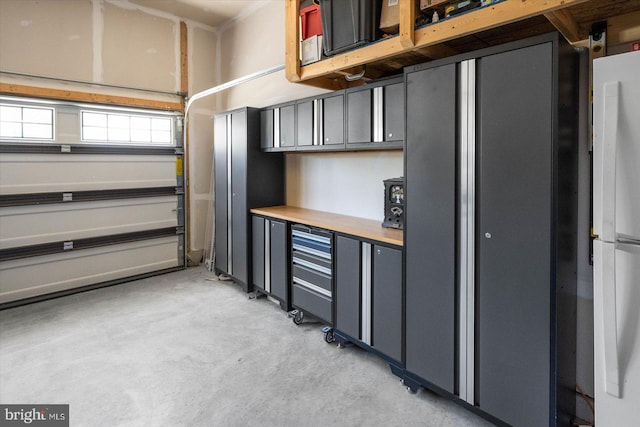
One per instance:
(245, 178)
(490, 232)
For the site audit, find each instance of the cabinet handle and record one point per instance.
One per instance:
(487, 235)
(379, 252)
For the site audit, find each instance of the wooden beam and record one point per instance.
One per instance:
(184, 89)
(564, 22)
(407, 22)
(487, 18)
(469, 23)
(292, 40)
(184, 59)
(623, 29)
(72, 95)
(436, 51)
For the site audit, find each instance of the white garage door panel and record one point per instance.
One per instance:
(41, 173)
(34, 224)
(29, 277)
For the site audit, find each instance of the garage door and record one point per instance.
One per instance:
(89, 196)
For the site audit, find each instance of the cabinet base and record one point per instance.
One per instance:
(397, 368)
(245, 287)
(414, 383)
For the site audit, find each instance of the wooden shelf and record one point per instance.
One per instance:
(360, 227)
(491, 25)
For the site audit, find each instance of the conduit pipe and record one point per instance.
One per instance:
(219, 88)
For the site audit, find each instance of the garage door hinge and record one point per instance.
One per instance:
(65, 148)
(67, 197)
(67, 246)
(179, 230)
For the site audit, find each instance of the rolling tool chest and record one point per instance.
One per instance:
(312, 272)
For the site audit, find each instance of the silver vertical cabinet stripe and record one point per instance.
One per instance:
(276, 127)
(378, 119)
(267, 255)
(229, 198)
(316, 121)
(467, 229)
(366, 293)
(320, 120)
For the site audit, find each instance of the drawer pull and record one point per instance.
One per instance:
(312, 287)
(312, 266)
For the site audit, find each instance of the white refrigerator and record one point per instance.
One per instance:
(616, 250)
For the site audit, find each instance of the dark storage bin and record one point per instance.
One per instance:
(347, 24)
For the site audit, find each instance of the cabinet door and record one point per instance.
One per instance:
(239, 220)
(304, 120)
(333, 120)
(387, 301)
(393, 129)
(359, 116)
(287, 126)
(430, 224)
(513, 238)
(257, 251)
(221, 191)
(266, 128)
(348, 283)
(278, 258)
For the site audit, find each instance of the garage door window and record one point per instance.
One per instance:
(18, 122)
(123, 128)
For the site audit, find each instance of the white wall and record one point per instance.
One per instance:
(348, 183)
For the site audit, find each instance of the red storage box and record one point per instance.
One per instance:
(311, 21)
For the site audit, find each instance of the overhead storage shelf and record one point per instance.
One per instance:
(488, 26)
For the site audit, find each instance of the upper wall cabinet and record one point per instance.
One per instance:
(277, 128)
(320, 122)
(375, 115)
(370, 117)
(310, 124)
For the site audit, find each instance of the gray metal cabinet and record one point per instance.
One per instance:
(430, 225)
(368, 299)
(277, 128)
(221, 160)
(279, 260)
(375, 115)
(526, 263)
(305, 131)
(270, 258)
(387, 301)
(490, 231)
(246, 178)
(320, 122)
(259, 252)
(332, 119)
(266, 128)
(348, 286)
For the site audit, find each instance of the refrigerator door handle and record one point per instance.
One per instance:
(609, 148)
(607, 280)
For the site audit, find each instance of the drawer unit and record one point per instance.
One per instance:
(312, 271)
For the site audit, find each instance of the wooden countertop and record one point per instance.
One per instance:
(360, 227)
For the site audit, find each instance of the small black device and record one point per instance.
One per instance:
(394, 203)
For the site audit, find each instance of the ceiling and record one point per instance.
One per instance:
(214, 13)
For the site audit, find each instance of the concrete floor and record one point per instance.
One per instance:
(182, 349)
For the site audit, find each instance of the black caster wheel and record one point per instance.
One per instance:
(328, 335)
(297, 318)
(410, 390)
